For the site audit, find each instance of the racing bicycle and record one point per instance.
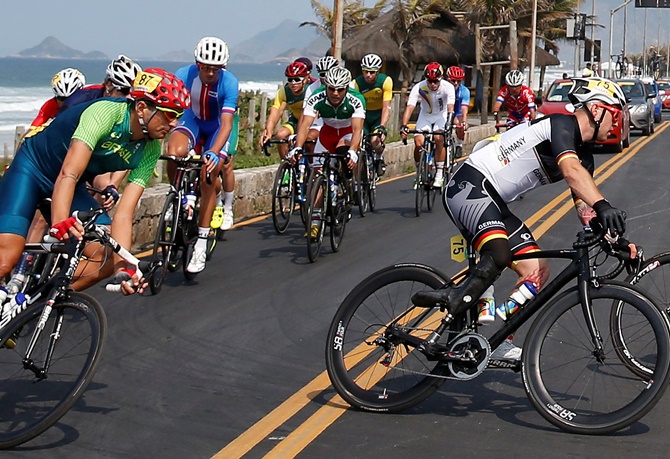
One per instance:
(425, 172)
(51, 338)
(386, 354)
(367, 176)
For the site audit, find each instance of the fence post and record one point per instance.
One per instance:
(264, 109)
(18, 135)
(251, 118)
(392, 128)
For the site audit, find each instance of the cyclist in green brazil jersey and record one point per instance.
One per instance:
(377, 88)
(89, 139)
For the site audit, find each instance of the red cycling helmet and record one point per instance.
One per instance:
(433, 71)
(296, 69)
(455, 73)
(162, 88)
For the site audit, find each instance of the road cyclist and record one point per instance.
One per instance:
(212, 117)
(87, 140)
(342, 110)
(500, 170)
(436, 97)
(517, 97)
(377, 88)
(456, 75)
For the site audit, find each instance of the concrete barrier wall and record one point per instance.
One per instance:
(253, 190)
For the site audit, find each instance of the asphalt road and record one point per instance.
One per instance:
(235, 360)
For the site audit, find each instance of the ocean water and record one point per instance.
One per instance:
(25, 84)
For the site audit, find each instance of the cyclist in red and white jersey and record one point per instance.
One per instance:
(437, 98)
(64, 84)
(519, 99)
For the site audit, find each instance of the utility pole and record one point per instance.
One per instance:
(338, 16)
(533, 38)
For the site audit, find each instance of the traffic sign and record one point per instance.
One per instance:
(652, 3)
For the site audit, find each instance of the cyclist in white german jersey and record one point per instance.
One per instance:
(437, 98)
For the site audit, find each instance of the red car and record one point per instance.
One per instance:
(664, 93)
(556, 101)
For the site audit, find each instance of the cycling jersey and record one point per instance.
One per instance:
(103, 125)
(81, 95)
(432, 102)
(47, 111)
(528, 155)
(310, 90)
(462, 99)
(375, 94)
(208, 103)
(518, 107)
(352, 106)
(294, 102)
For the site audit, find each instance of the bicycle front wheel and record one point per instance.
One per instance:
(584, 390)
(64, 359)
(420, 184)
(363, 184)
(372, 368)
(318, 191)
(283, 197)
(372, 183)
(164, 242)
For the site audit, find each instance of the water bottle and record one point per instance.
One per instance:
(17, 304)
(517, 299)
(333, 188)
(190, 203)
(16, 282)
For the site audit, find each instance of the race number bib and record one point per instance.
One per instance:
(459, 248)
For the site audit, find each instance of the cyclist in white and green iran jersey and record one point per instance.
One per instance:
(95, 137)
(342, 110)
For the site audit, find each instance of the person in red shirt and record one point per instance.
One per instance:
(518, 98)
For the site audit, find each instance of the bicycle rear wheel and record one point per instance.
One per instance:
(339, 214)
(283, 197)
(363, 183)
(369, 366)
(420, 184)
(30, 405)
(580, 390)
(372, 183)
(431, 191)
(164, 242)
(316, 221)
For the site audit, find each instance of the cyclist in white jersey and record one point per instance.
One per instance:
(500, 169)
(437, 97)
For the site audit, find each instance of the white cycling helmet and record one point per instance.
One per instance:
(67, 81)
(371, 62)
(514, 78)
(596, 90)
(212, 51)
(326, 63)
(122, 72)
(337, 77)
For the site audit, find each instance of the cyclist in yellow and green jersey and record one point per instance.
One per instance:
(377, 88)
(290, 96)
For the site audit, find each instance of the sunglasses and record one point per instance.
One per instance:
(434, 81)
(332, 89)
(210, 68)
(295, 80)
(369, 71)
(170, 114)
(615, 112)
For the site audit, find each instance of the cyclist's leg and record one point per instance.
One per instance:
(182, 139)
(229, 176)
(284, 132)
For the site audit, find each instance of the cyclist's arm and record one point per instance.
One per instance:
(357, 133)
(74, 165)
(303, 129)
(579, 180)
(226, 128)
(271, 123)
(387, 97)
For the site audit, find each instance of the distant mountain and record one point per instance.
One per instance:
(177, 56)
(54, 49)
(285, 42)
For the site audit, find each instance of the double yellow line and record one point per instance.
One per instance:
(303, 435)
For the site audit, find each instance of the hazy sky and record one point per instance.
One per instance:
(141, 28)
(150, 28)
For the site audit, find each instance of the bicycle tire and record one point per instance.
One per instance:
(362, 181)
(372, 184)
(164, 241)
(651, 278)
(30, 406)
(579, 391)
(187, 255)
(338, 219)
(420, 184)
(283, 197)
(619, 70)
(431, 191)
(353, 358)
(318, 185)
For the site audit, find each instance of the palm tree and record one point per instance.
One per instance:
(355, 14)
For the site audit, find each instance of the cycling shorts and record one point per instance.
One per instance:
(23, 188)
(372, 120)
(432, 122)
(291, 124)
(480, 214)
(197, 129)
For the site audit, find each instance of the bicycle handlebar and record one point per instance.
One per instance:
(195, 160)
(426, 133)
(267, 144)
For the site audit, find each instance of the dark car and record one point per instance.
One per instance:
(640, 105)
(556, 101)
(652, 88)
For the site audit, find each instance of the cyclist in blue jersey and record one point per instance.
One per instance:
(211, 118)
(89, 139)
(456, 75)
